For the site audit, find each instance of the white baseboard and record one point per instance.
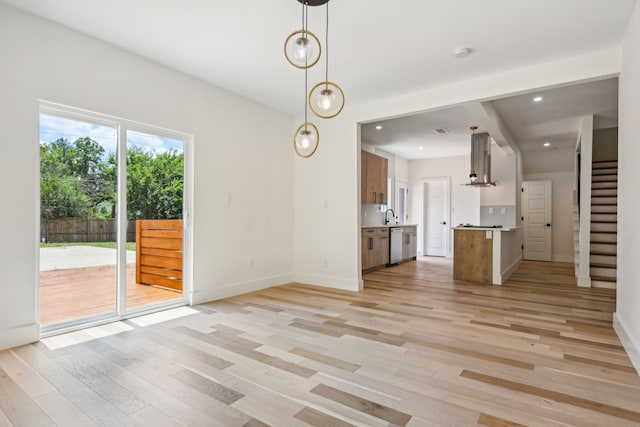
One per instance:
(20, 335)
(500, 278)
(509, 271)
(584, 282)
(328, 282)
(631, 346)
(230, 290)
(562, 258)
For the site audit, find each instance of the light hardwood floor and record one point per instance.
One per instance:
(415, 348)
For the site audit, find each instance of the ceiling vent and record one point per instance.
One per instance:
(441, 131)
(480, 175)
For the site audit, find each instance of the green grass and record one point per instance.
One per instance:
(131, 246)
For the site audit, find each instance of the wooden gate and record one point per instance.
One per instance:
(159, 250)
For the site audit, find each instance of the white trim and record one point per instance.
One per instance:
(233, 289)
(20, 335)
(329, 282)
(93, 322)
(630, 345)
(584, 281)
(507, 272)
(563, 258)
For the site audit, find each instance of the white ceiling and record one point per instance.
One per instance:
(378, 48)
(556, 120)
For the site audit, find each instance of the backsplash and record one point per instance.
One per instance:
(498, 215)
(372, 215)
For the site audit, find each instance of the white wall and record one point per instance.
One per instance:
(553, 160)
(498, 204)
(605, 144)
(464, 200)
(335, 232)
(627, 320)
(562, 213)
(44, 61)
(584, 232)
(402, 169)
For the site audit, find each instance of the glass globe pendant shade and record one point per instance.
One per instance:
(305, 142)
(302, 49)
(326, 100)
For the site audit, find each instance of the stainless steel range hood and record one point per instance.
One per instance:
(480, 173)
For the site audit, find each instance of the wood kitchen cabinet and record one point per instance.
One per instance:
(375, 247)
(409, 248)
(374, 171)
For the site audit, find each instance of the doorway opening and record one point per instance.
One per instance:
(113, 196)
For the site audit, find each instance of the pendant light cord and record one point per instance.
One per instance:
(305, 23)
(326, 44)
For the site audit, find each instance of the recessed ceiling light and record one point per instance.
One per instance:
(378, 127)
(420, 148)
(537, 99)
(547, 144)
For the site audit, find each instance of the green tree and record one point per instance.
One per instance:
(73, 178)
(155, 184)
(79, 180)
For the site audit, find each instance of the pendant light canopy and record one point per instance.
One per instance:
(303, 50)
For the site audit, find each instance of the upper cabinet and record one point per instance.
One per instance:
(374, 179)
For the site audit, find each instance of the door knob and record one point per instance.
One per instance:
(444, 223)
(548, 225)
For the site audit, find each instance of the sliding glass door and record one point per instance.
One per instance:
(112, 202)
(155, 194)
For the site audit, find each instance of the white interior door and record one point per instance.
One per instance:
(536, 220)
(436, 209)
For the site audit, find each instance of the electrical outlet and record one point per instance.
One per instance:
(252, 261)
(503, 211)
(227, 199)
(326, 263)
(490, 210)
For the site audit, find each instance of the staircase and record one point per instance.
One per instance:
(604, 224)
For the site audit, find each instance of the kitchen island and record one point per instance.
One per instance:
(486, 254)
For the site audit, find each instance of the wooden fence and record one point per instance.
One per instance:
(159, 247)
(82, 230)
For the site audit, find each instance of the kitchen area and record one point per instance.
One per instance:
(386, 239)
(481, 237)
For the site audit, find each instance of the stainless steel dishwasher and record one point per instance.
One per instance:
(395, 248)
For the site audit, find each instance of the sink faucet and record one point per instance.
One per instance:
(386, 220)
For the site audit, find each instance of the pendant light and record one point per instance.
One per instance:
(306, 139)
(302, 48)
(326, 99)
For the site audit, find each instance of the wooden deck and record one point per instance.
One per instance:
(73, 293)
(414, 348)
